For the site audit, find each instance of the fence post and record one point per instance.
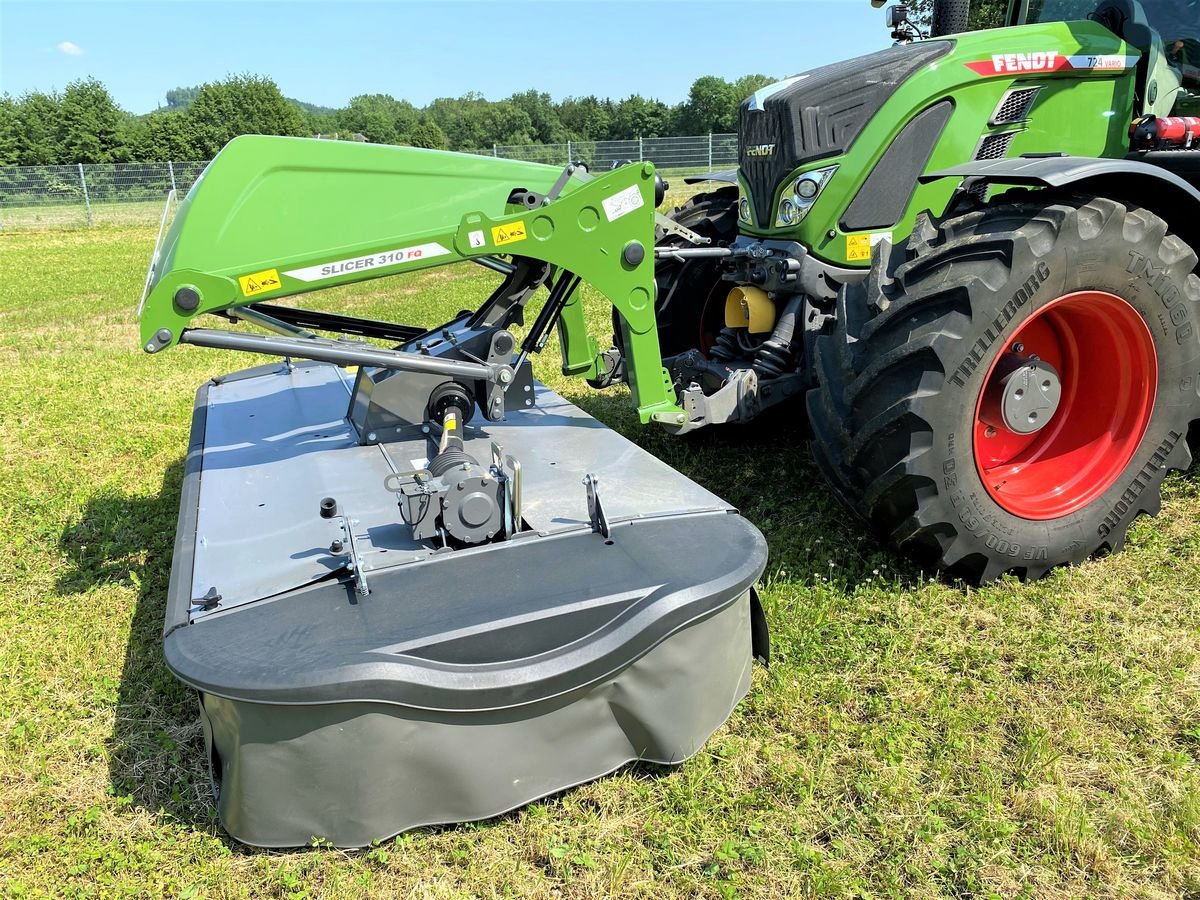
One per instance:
(87, 202)
(641, 156)
(568, 153)
(495, 152)
(710, 151)
(171, 169)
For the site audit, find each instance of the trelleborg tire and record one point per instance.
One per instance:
(931, 357)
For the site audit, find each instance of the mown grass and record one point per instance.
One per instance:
(911, 737)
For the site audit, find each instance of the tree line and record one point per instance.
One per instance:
(84, 124)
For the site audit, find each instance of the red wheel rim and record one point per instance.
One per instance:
(1108, 370)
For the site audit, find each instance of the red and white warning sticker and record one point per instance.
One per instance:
(1049, 61)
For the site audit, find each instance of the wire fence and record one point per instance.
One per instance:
(703, 151)
(82, 195)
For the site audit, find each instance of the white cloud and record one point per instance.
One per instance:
(69, 48)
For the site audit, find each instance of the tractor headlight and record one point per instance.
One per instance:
(744, 210)
(796, 203)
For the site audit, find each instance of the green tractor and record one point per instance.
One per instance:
(972, 254)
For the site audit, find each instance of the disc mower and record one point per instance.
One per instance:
(413, 585)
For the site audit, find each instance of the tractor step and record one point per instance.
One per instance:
(355, 682)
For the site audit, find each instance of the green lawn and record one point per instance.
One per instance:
(912, 737)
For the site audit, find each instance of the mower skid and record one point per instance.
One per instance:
(355, 682)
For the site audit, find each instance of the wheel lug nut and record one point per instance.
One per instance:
(990, 432)
(1018, 347)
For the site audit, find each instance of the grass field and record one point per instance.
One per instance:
(912, 737)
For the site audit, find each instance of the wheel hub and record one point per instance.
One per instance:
(1022, 395)
(1064, 406)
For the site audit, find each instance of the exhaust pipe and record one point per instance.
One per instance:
(949, 17)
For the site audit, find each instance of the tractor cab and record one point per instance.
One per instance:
(1166, 103)
(1166, 32)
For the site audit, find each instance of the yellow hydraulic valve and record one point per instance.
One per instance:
(750, 308)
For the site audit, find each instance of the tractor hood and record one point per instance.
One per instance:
(818, 114)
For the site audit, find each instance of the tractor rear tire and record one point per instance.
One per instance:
(690, 304)
(905, 418)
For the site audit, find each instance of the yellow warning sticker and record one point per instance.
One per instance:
(858, 247)
(508, 234)
(259, 282)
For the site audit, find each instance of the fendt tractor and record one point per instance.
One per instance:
(413, 585)
(973, 255)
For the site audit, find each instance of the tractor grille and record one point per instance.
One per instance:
(1014, 106)
(819, 115)
(994, 146)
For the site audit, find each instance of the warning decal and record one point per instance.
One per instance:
(622, 203)
(859, 246)
(508, 234)
(259, 282)
(372, 262)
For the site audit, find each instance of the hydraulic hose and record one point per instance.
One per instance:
(775, 357)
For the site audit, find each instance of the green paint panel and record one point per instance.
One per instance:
(1081, 112)
(275, 217)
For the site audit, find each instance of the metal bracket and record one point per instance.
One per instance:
(595, 507)
(507, 469)
(669, 226)
(572, 169)
(512, 471)
(355, 563)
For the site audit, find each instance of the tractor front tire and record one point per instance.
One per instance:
(690, 304)
(1082, 310)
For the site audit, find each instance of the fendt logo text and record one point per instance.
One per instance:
(1002, 63)
(760, 149)
(1049, 61)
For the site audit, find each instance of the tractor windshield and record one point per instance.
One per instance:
(1176, 21)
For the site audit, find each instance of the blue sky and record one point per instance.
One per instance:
(326, 52)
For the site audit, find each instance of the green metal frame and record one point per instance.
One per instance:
(269, 207)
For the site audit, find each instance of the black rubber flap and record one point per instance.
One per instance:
(488, 628)
(884, 196)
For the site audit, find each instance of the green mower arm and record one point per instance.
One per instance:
(274, 217)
